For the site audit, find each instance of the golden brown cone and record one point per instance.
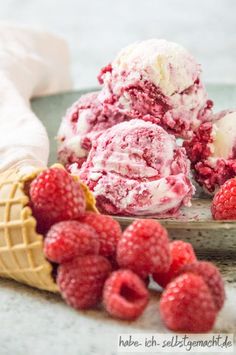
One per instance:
(21, 247)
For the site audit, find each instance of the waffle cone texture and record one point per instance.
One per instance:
(21, 247)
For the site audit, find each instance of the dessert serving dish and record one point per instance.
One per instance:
(194, 224)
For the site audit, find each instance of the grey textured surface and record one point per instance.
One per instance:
(38, 323)
(35, 323)
(97, 29)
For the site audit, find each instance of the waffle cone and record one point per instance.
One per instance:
(21, 247)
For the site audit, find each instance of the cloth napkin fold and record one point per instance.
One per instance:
(32, 63)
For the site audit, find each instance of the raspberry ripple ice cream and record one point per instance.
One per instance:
(212, 151)
(136, 168)
(82, 122)
(158, 81)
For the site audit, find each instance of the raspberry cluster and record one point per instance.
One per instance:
(194, 290)
(98, 263)
(79, 242)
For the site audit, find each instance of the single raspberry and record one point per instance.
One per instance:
(224, 202)
(144, 248)
(212, 278)
(81, 280)
(187, 305)
(108, 230)
(181, 253)
(55, 196)
(125, 295)
(68, 239)
(116, 267)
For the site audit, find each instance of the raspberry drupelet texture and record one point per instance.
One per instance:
(81, 280)
(144, 248)
(182, 253)
(108, 231)
(187, 305)
(55, 196)
(125, 295)
(212, 278)
(68, 239)
(224, 202)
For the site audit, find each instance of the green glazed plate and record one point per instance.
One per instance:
(194, 224)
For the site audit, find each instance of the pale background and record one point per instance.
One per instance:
(97, 29)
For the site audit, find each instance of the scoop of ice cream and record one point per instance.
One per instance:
(82, 122)
(157, 81)
(224, 136)
(136, 168)
(212, 151)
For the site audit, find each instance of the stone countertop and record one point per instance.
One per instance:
(34, 322)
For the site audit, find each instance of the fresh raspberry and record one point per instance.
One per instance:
(55, 196)
(187, 305)
(81, 280)
(66, 240)
(224, 202)
(181, 253)
(125, 295)
(108, 230)
(212, 278)
(116, 267)
(144, 248)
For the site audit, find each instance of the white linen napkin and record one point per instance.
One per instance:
(32, 63)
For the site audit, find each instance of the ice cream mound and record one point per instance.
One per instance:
(136, 168)
(212, 151)
(157, 81)
(83, 121)
(153, 80)
(119, 140)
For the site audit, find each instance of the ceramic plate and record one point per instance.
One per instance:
(194, 224)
